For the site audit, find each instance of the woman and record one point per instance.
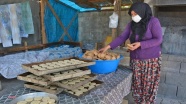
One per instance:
(145, 35)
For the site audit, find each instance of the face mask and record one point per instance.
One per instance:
(136, 18)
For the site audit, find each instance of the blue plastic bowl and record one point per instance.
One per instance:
(105, 66)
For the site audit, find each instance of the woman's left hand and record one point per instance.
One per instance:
(135, 46)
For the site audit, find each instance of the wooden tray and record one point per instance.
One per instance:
(76, 85)
(53, 78)
(85, 93)
(42, 88)
(24, 77)
(29, 67)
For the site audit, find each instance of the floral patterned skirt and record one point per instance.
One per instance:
(146, 77)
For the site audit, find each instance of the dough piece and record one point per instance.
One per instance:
(76, 90)
(56, 66)
(39, 78)
(22, 102)
(35, 102)
(97, 84)
(48, 63)
(45, 66)
(37, 98)
(50, 68)
(70, 92)
(29, 99)
(78, 70)
(45, 99)
(41, 69)
(35, 66)
(53, 87)
(51, 101)
(86, 76)
(84, 90)
(91, 87)
(92, 84)
(47, 87)
(71, 83)
(43, 103)
(78, 93)
(30, 76)
(43, 79)
(86, 85)
(58, 75)
(82, 79)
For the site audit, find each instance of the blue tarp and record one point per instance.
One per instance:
(65, 13)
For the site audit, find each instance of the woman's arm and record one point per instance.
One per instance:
(157, 36)
(122, 38)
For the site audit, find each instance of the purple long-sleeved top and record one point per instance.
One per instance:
(150, 44)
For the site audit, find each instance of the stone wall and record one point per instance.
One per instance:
(94, 26)
(173, 79)
(173, 18)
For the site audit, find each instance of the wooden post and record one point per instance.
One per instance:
(0, 86)
(42, 7)
(25, 45)
(117, 9)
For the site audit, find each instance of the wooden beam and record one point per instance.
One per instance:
(87, 3)
(65, 4)
(111, 1)
(39, 46)
(69, 25)
(42, 8)
(58, 19)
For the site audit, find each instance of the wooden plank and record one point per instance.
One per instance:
(58, 19)
(42, 8)
(24, 77)
(43, 88)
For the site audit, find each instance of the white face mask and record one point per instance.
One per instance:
(136, 18)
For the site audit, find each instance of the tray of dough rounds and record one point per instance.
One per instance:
(84, 89)
(58, 76)
(29, 77)
(47, 67)
(36, 98)
(76, 82)
(52, 89)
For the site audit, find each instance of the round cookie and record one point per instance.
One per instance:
(37, 98)
(41, 69)
(51, 101)
(29, 99)
(45, 99)
(43, 103)
(22, 102)
(53, 87)
(35, 102)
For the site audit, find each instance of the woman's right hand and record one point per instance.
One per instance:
(102, 50)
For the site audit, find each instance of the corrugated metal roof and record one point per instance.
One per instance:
(75, 6)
